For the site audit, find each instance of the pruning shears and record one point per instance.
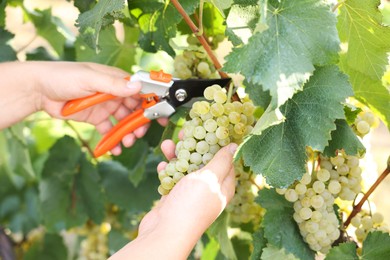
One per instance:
(161, 94)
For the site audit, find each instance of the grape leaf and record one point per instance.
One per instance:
(345, 251)
(6, 51)
(365, 60)
(310, 117)
(376, 246)
(271, 252)
(134, 159)
(48, 27)
(280, 229)
(113, 52)
(282, 58)
(259, 243)
(344, 138)
(158, 21)
(103, 14)
(51, 247)
(84, 5)
(69, 189)
(370, 92)
(2, 13)
(121, 191)
(218, 230)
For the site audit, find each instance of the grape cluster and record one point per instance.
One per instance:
(211, 126)
(194, 63)
(95, 245)
(364, 223)
(345, 175)
(364, 122)
(242, 207)
(313, 199)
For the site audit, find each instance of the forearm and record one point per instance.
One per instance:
(166, 242)
(18, 92)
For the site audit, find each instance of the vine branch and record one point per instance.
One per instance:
(358, 207)
(84, 143)
(200, 37)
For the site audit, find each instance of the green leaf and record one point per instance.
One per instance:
(343, 138)
(84, 5)
(242, 21)
(51, 247)
(376, 246)
(345, 251)
(40, 54)
(307, 123)
(91, 22)
(280, 229)
(120, 191)
(259, 243)
(218, 231)
(365, 59)
(116, 240)
(48, 27)
(221, 4)
(3, 4)
(282, 58)
(158, 22)
(271, 252)
(113, 52)
(69, 190)
(6, 51)
(370, 92)
(134, 159)
(351, 113)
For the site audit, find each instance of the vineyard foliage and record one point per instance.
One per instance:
(310, 66)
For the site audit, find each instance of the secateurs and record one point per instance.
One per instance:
(161, 95)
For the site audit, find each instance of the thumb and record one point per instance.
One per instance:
(222, 162)
(115, 85)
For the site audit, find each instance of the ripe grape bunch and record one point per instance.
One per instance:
(243, 208)
(364, 222)
(211, 126)
(364, 122)
(314, 196)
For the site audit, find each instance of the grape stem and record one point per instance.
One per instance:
(358, 207)
(336, 6)
(84, 143)
(200, 37)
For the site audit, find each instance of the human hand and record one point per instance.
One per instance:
(64, 81)
(172, 228)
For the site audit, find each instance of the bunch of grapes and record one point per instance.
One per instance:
(364, 223)
(345, 174)
(95, 245)
(313, 197)
(194, 63)
(364, 122)
(242, 207)
(212, 125)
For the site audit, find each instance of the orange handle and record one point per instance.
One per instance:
(116, 134)
(79, 104)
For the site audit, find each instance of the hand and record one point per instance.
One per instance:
(172, 228)
(32, 86)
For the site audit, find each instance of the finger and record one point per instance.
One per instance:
(222, 162)
(168, 149)
(229, 185)
(161, 166)
(121, 112)
(129, 140)
(131, 102)
(114, 71)
(117, 150)
(163, 121)
(141, 131)
(116, 86)
(181, 134)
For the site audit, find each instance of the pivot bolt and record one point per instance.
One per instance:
(181, 95)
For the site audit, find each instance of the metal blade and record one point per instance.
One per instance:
(182, 91)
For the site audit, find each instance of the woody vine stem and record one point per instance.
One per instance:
(358, 207)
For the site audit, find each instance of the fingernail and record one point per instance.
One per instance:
(134, 84)
(233, 148)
